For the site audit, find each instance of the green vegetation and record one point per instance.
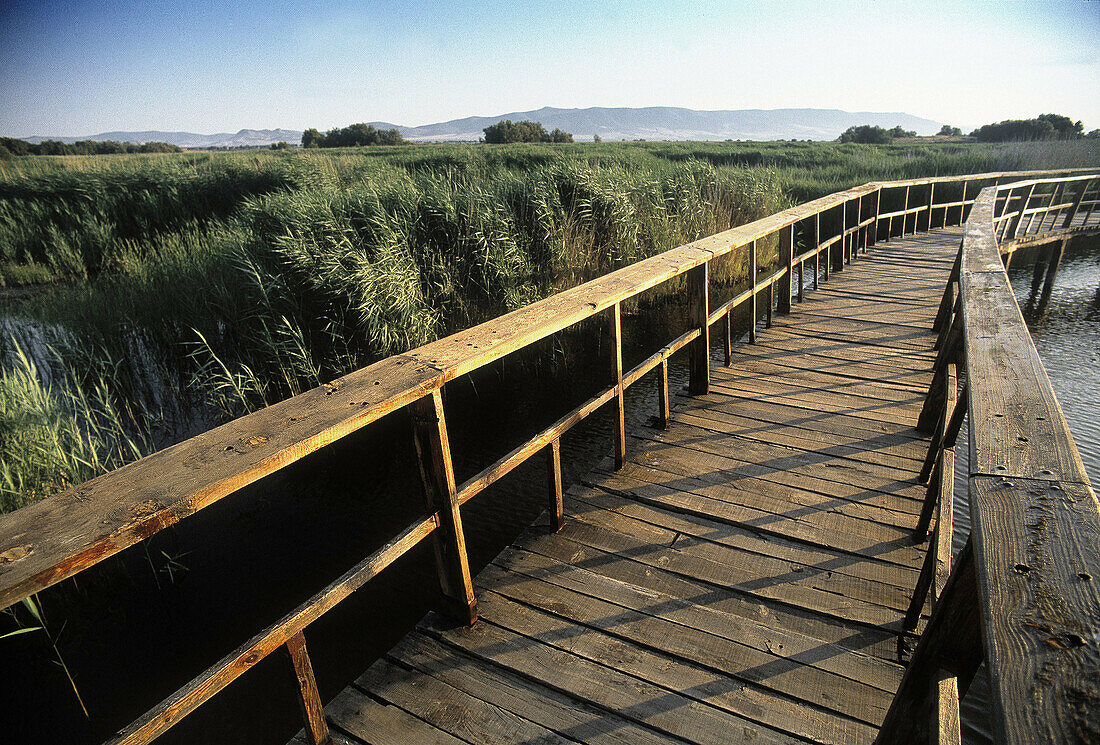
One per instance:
(508, 131)
(10, 146)
(865, 134)
(186, 289)
(355, 135)
(1042, 127)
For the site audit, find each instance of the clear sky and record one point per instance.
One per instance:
(86, 67)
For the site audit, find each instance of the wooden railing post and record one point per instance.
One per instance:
(1023, 209)
(878, 211)
(838, 252)
(817, 253)
(931, 201)
(752, 301)
(615, 333)
(313, 711)
(437, 471)
(698, 282)
(905, 213)
(664, 413)
(1076, 204)
(554, 484)
(786, 259)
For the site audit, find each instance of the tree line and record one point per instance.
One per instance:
(360, 134)
(12, 146)
(1042, 127)
(524, 131)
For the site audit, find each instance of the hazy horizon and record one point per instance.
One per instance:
(72, 70)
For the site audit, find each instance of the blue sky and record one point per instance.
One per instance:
(83, 68)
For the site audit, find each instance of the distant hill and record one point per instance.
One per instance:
(670, 123)
(243, 138)
(651, 123)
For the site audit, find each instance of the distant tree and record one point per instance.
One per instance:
(1043, 127)
(1093, 134)
(524, 131)
(355, 135)
(596, 138)
(1064, 127)
(867, 134)
(948, 131)
(280, 146)
(897, 131)
(16, 147)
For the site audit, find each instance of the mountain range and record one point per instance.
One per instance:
(650, 123)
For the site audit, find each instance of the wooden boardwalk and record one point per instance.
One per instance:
(741, 579)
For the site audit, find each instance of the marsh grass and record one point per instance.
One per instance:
(196, 287)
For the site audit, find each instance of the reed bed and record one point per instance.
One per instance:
(191, 288)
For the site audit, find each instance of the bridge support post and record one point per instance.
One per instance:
(1053, 263)
(698, 282)
(786, 259)
(437, 471)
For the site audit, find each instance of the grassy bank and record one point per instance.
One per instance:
(186, 289)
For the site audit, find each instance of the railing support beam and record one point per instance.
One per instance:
(698, 282)
(437, 472)
(786, 259)
(313, 711)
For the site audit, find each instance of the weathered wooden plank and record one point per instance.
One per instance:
(862, 449)
(701, 666)
(381, 724)
(626, 695)
(795, 649)
(875, 641)
(781, 464)
(754, 566)
(1037, 561)
(450, 709)
(823, 527)
(684, 530)
(571, 717)
(736, 573)
(792, 494)
(1018, 427)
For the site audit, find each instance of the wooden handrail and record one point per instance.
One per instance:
(1026, 584)
(60, 536)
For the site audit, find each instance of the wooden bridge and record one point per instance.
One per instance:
(757, 569)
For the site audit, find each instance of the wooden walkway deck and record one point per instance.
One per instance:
(741, 579)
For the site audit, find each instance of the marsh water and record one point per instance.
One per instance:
(138, 626)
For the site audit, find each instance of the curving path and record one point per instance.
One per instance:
(741, 579)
